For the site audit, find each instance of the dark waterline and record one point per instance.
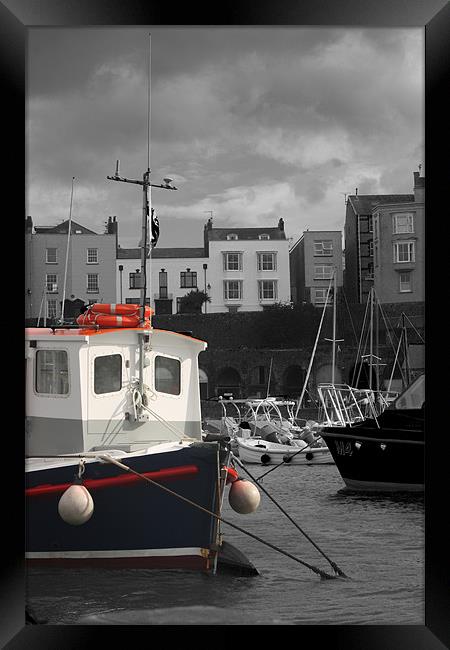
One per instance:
(376, 539)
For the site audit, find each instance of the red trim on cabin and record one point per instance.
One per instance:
(124, 479)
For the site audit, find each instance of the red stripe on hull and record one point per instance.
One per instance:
(124, 479)
(185, 562)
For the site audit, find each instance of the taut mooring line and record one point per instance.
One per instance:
(333, 564)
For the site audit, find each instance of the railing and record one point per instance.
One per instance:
(343, 405)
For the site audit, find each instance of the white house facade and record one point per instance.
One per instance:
(241, 269)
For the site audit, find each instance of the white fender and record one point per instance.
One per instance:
(244, 497)
(76, 506)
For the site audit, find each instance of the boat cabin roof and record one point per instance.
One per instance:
(75, 334)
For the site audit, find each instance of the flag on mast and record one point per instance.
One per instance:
(155, 229)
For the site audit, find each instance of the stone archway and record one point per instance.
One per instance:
(228, 382)
(203, 382)
(293, 380)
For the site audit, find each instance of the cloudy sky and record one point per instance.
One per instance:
(253, 124)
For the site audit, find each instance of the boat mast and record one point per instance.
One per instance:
(69, 230)
(146, 215)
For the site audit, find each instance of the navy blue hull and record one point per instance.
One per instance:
(134, 523)
(389, 458)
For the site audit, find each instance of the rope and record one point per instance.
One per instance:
(333, 564)
(323, 574)
(138, 403)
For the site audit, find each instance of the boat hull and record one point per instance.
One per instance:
(262, 452)
(134, 523)
(382, 460)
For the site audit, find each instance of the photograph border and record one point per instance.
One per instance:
(17, 17)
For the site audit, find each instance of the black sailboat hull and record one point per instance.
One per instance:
(385, 458)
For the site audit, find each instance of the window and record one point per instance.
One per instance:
(404, 251)
(51, 255)
(402, 223)
(267, 261)
(323, 271)
(107, 374)
(369, 275)
(320, 296)
(267, 289)
(232, 261)
(405, 282)
(188, 279)
(135, 301)
(163, 284)
(370, 223)
(51, 308)
(232, 236)
(92, 283)
(232, 289)
(324, 247)
(264, 236)
(51, 282)
(167, 375)
(52, 374)
(371, 248)
(92, 256)
(135, 280)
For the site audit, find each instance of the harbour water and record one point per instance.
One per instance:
(376, 540)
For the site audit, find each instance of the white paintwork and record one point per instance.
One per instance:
(108, 419)
(251, 450)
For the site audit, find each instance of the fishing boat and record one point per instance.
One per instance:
(384, 452)
(117, 472)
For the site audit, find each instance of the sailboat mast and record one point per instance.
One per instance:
(69, 230)
(333, 363)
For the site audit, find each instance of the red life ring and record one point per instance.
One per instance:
(119, 309)
(107, 320)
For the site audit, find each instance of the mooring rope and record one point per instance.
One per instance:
(323, 574)
(332, 564)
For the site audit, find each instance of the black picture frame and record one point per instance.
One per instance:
(16, 17)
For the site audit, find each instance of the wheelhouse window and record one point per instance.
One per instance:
(52, 375)
(51, 283)
(232, 261)
(232, 289)
(267, 289)
(92, 256)
(267, 261)
(402, 223)
(188, 279)
(167, 375)
(323, 271)
(323, 248)
(107, 374)
(51, 255)
(92, 283)
(404, 251)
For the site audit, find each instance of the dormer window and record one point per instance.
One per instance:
(264, 235)
(232, 236)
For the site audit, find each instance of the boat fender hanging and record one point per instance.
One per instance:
(309, 455)
(265, 458)
(287, 459)
(244, 497)
(76, 506)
